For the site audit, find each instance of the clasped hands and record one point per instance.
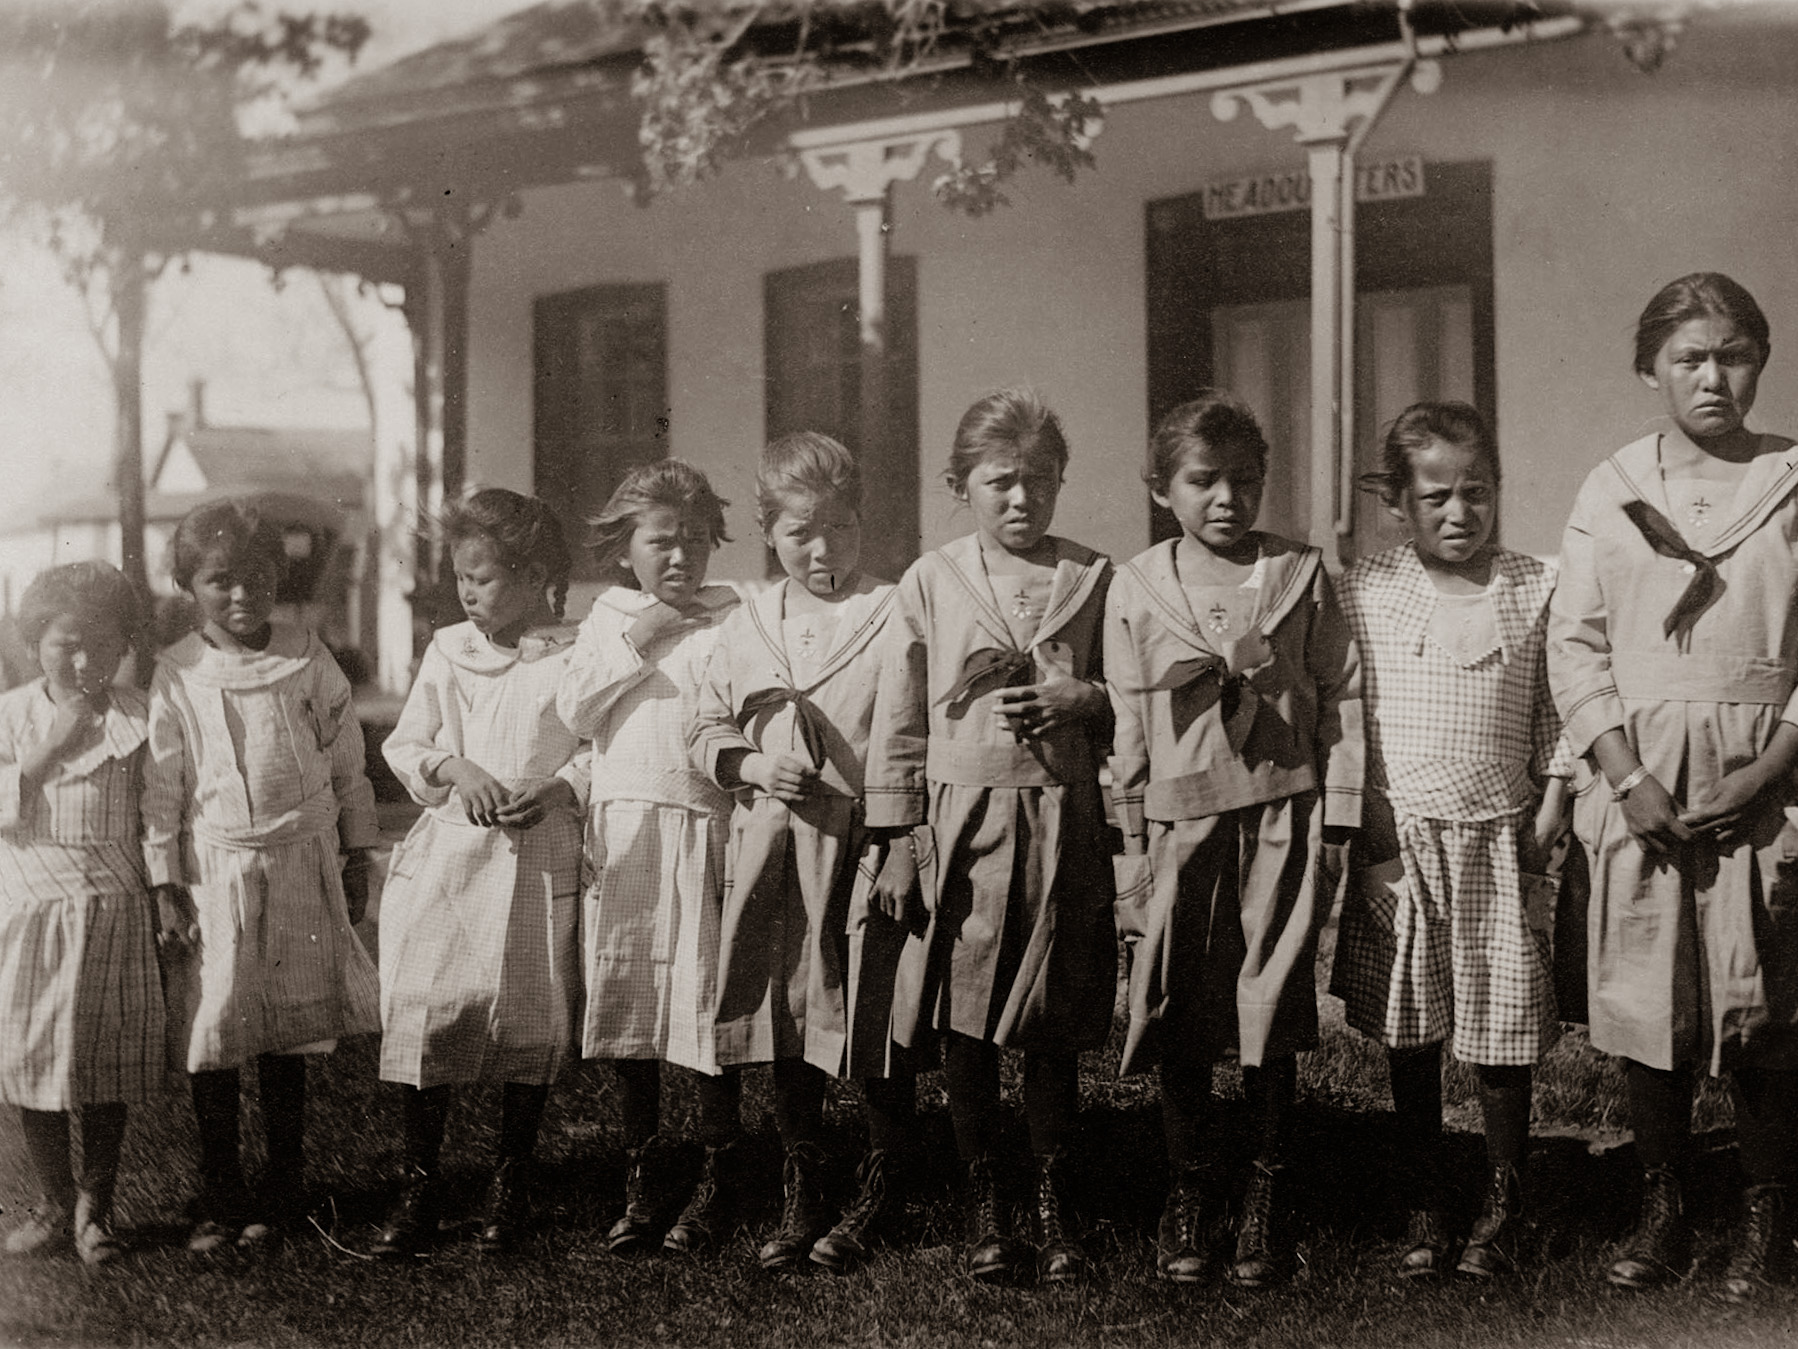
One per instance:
(1031, 711)
(489, 803)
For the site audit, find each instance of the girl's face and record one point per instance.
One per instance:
(668, 553)
(499, 600)
(1214, 492)
(79, 655)
(1450, 504)
(1012, 497)
(235, 595)
(818, 540)
(1708, 372)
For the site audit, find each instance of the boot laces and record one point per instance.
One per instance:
(1258, 1213)
(872, 1197)
(1048, 1204)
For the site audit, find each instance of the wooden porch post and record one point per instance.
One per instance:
(1330, 112)
(864, 172)
(437, 309)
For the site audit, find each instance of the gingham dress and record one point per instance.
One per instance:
(1440, 939)
(480, 964)
(253, 781)
(81, 1018)
(656, 829)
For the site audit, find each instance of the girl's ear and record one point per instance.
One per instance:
(1648, 377)
(1160, 497)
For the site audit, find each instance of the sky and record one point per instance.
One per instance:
(268, 357)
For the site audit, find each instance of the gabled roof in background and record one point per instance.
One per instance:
(260, 459)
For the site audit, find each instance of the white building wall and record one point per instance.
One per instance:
(1607, 182)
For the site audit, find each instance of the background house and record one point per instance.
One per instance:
(1525, 176)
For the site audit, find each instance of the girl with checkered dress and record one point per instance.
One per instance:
(1236, 778)
(987, 731)
(805, 976)
(480, 966)
(1446, 926)
(656, 826)
(258, 819)
(78, 981)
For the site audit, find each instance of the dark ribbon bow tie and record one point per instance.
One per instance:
(1238, 702)
(759, 708)
(987, 669)
(1658, 530)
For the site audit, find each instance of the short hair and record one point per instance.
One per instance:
(1215, 417)
(89, 589)
(808, 464)
(1007, 421)
(236, 528)
(1414, 429)
(523, 530)
(672, 484)
(1699, 295)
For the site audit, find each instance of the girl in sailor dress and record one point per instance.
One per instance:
(656, 826)
(987, 730)
(1236, 774)
(1445, 934)
(805, 973)
(253, 788)
(78, 980)
(480, 965)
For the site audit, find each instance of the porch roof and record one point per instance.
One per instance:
(542, 97)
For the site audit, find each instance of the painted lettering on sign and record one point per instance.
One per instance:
(1290, 190)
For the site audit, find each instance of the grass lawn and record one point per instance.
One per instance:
(562, 1287)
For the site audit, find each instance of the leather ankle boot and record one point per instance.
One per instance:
(1493, 1245)
(848, 1244)
(1658, 1251)
(992, 1253)
(706, 1218)
(803, 1217)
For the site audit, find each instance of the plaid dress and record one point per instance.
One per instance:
(480, 964)
(254, 781)
(80, 998)
(656, 829)
(801, 945)
(1437, 936)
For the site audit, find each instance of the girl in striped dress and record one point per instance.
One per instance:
(805, 974)
(257, 811)
(1236, 773)
(78, 978)
(656, 825)
(1445, 930)
(987, 729)
(480, 965)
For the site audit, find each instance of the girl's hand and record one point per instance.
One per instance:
(898, 881)
(1037, 710)
(1725, 812)
(355, 884)
(176, 928)
(77, 721)
(528, 806)
(783, 776)
(483, 798)
(1536, 844)
(1652, 818)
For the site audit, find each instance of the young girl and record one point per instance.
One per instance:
(1446, 929)
(253, 787)
(1237, 774)
(480, 969)
(987, 726)
(78, 978)
(656, 831)
(783, 722)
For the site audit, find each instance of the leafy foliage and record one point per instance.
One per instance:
(111, 112)
(713, 71)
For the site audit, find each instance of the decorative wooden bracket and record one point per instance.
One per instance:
(1324, 106)
(863, 170)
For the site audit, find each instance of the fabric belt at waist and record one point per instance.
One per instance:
(1699, 678)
